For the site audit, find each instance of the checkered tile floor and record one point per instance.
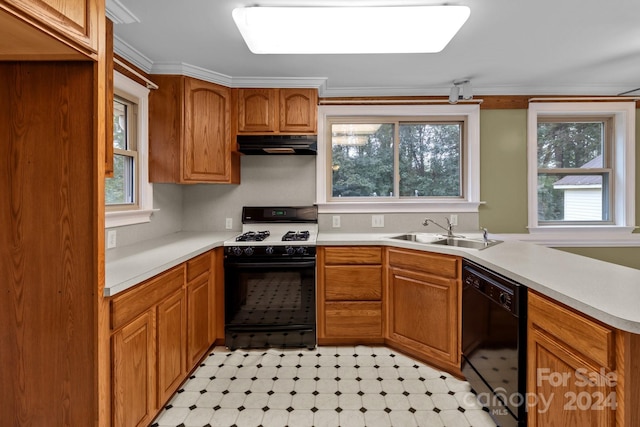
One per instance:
(328, 386)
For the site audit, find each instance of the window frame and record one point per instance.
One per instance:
(470, 158)
(131, 151)
(132, 91)
(621, 161)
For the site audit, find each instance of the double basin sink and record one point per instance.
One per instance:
(457, 241)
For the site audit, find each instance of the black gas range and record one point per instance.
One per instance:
(270, 279)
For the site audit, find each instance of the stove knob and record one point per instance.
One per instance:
(289, 250)
(269, 250)
(248, 251)
(300, 250)
(237, 251)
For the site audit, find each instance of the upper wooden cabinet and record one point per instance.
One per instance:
(190, 132)
(64, 28)
(277, 110)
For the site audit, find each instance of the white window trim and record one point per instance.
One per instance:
(471, 173)
(624, 171)
(141, 215)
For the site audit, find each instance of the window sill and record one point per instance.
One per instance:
(581, 236)
(408, 206)
(122, 218)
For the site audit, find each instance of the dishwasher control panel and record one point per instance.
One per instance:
(499, 289)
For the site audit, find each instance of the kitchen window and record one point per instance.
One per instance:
(398, 158)
(128, 194)
(581, 166)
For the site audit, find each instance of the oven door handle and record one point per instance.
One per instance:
(276, 264)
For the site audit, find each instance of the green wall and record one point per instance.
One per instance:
(503, 182)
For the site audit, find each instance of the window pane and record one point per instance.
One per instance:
(570, 144)
(362, 160)
(119, 189)
(572, 197)
(430, 160)
(120, 125)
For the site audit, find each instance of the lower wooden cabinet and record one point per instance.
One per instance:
(161, 329)
(172, 366)
(423, 317)
(571, 376)
(133, 372)
(350, 295)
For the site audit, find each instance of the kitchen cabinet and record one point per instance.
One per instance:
(161, 329)
(349, 298)
(190, 132)
(134, 400)
(571, 377)
(200, 303)
(50, 30)
(277, 110)
(423, 316)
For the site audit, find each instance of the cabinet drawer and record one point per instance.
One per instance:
(587, 336)
(144, 296)
(351, 255)
(439, 265)
(353, 319)
(346, 282)
(198, 265)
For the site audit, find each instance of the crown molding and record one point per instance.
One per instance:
(191, 71)
(119, 13)
(131, 54)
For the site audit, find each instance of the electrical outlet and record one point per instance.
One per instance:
(336, 221)
(453, 219)
(377, 221)
(228, 223)
(111, 239)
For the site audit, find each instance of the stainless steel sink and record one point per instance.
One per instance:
(459, 241)
(467, 243)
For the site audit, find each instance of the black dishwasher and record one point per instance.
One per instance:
(494, 328)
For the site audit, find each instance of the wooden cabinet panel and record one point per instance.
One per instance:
(130, 304)
(586, 336)
(190, 132)
(424, 313)
(353, 319)
(73, 22)
(293, 110)
(346, 282)
(437, 264)
(257, 110)
(198, 323)
(133, 373)
(570, 362)
(347, 255)
(198, 265)
(172, 341)
(298, 110)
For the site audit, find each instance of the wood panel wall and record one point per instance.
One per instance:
(48, 301)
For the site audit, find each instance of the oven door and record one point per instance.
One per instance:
(270, 303)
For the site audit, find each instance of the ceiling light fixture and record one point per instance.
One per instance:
(398, 29)
(460, 86)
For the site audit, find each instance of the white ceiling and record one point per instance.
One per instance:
(507, 47)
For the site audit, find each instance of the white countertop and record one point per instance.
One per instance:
(129, 265)
(605, 291)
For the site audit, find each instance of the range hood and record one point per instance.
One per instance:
(278, 144)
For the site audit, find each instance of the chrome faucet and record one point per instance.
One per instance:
(485, 235)
(448, 228)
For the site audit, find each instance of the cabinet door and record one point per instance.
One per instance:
(172, 342)
(198, 321)
(74, 20)
(564, 389)
(423, 315)
(133, 378)
(298, 110)
(257, 110)
(353, 319)
(207, 132)
(354, 283)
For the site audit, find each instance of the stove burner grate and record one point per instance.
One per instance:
(253, 236)
(296, 236)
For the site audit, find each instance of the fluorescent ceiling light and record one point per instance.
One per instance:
(325, 30)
